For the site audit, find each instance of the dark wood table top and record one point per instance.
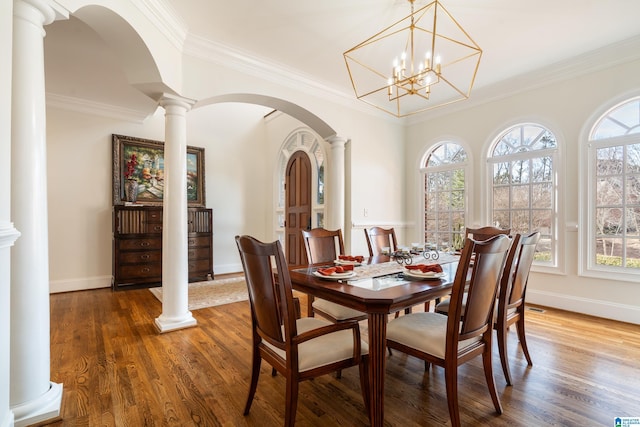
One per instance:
(387, 300)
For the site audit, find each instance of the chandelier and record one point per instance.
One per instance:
(423, 61)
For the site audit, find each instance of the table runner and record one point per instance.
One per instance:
(383, 269)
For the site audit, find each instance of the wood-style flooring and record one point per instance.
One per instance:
(117, 370)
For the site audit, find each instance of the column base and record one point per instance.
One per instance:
(44, 408)
(8, 420)
(168, 324)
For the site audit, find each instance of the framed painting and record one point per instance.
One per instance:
(138, 172)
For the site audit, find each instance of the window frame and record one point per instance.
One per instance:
(467, 166)
(557, 263)
(587, 265)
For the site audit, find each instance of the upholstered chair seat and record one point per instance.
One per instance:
(312, 354)
(337, 312)
(426, 332)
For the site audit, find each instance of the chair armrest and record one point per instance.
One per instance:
(296, 303)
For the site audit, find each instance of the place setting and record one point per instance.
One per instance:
(349, 260)
(424, 271)
(339, 272)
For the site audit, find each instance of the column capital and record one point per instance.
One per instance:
(49, 10)
(171, 100)
(337, 141)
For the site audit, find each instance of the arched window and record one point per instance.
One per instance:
(302, 140)
(522, 168)
(445, 170)
(613, 222)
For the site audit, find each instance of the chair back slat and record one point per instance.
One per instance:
(517, 285)
(476, 316)
(271, 301)
(378, 238)
(322, 245)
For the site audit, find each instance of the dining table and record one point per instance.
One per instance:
(379, 286)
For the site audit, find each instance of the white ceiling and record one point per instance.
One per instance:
(516, 36)
(522, 41)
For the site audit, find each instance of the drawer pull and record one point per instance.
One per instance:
(145, 256)
(146, 270)
(144, 243)
(157, 228)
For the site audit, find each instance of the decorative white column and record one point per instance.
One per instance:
(175, 267)
(8, 234)
(336, 206)
(33, 397)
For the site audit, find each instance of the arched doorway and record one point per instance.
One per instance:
(297, 206)
(303, 145)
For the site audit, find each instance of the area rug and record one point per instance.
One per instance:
(212, 292)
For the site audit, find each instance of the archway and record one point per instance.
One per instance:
(295, 111)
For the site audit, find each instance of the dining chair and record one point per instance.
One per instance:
(478, 234)
(322, 245)
(511, 297)
(450, 341)
(378, 238)
(300, 349)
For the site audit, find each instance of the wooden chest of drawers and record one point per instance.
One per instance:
(137, 245)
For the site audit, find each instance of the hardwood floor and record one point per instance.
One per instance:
(118, 371)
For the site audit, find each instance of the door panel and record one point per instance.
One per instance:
(298, 206)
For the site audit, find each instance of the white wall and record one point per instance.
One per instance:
(79, 153)
(237, 169)
(565, 108)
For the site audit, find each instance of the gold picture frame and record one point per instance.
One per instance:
(147, 170)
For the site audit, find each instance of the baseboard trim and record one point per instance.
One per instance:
(606, 309)
(227, 269)
(69, 285)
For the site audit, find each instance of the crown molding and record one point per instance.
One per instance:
(265, 69)
(244, 62)
(597, 60)
(165, 18)
(86, 106)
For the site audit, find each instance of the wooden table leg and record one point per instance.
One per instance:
(377, 358)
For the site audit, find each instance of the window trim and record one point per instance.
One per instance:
(586, 256)
(558, 265)
(421, 176)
